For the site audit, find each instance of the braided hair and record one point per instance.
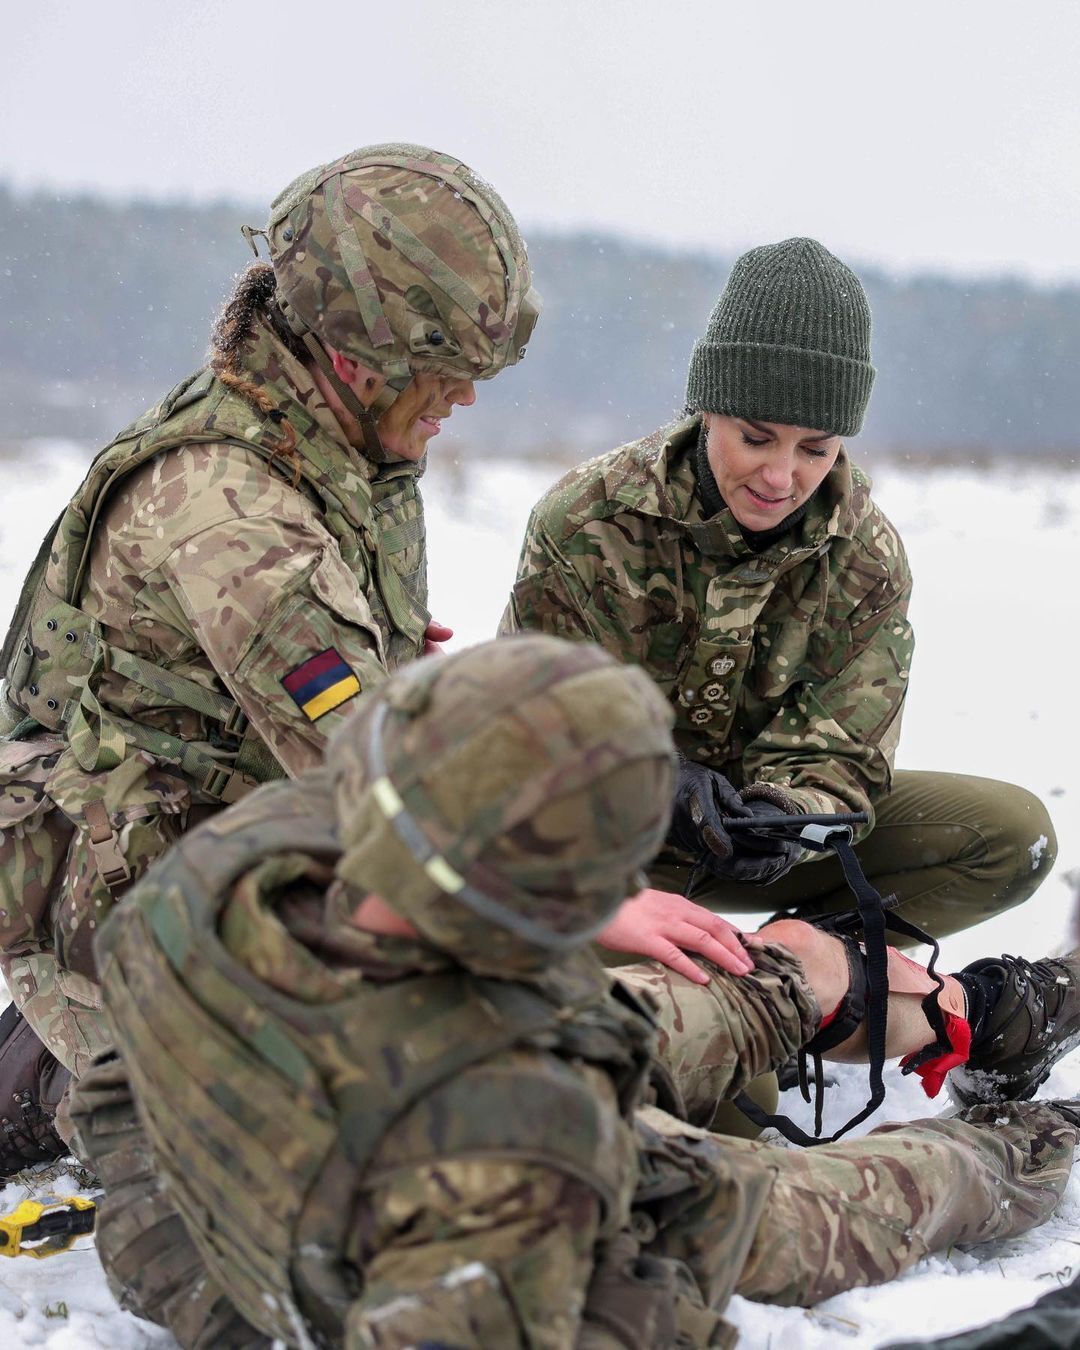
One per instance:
(253, 296)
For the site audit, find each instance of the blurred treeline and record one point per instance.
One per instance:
(104, 305)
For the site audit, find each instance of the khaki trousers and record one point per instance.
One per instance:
(955, 849)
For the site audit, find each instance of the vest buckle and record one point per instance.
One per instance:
(112, 866)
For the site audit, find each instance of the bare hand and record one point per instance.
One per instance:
(435, 634)
(665, 926)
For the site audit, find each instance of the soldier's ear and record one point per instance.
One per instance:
(345, 367)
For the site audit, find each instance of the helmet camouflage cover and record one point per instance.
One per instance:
(505, 798)
(404, 259)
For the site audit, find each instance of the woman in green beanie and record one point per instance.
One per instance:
(737, 556)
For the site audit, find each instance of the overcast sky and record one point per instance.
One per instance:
(929, 133)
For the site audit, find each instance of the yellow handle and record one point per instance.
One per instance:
(16, 1227)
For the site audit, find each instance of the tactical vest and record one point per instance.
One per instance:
(265, 1108)
(54, 653)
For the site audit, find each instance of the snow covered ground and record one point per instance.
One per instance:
(994, 551)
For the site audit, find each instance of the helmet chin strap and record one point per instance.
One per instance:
(367, 417)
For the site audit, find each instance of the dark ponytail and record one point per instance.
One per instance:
(252, 297)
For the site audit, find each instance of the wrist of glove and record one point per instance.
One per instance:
(702, 798)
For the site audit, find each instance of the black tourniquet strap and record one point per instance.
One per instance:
(874, 917)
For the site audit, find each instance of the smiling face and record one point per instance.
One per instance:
(766, 470)
(417, 414)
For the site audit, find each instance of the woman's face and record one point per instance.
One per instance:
(416, 415)
(766, 470)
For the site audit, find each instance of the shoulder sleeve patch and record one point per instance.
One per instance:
(321, 684)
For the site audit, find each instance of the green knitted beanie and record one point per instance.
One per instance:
(788, 342)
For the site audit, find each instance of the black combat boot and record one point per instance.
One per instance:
(1028, 1019)
(32, 1081)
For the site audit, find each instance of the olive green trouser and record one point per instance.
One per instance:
(955, 849)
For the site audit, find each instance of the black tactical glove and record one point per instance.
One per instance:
(758, 857)
(702, 796)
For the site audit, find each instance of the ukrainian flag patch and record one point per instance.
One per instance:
(321, 684)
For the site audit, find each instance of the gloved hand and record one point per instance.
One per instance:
(758, 857)
(702, 796)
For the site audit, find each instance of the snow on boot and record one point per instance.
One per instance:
(1033, 1021)
(32, 1081)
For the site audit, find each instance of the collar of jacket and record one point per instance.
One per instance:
(666, 487)
(289, 383)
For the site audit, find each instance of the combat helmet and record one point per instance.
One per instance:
(504, 799)
(406, 260)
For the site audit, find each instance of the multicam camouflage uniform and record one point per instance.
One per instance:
(621, 551)
(787, 668)
(386, 1142)
(232, 573)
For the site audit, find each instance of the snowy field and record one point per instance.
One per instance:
(994, 551)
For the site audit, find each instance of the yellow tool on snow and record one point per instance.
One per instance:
(52, 1224)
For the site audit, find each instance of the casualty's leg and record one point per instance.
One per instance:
(1004, 1021)
(714, 1038)
(153, 1267)
(828, 965)
(793, 1227)
(955, 848)
(861, 1212)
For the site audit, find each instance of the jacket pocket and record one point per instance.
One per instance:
(121, 820)
(34, 842)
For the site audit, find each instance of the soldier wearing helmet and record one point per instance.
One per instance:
(372, 1087)
(248, 557)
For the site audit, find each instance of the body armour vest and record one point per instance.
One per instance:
(268, 1069)
(54, 652)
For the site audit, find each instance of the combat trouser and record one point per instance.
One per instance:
(63, 1008)
(714, 1039)
(794, 1227)
(956, 850)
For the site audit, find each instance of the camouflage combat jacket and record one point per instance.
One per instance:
(786, 667)
(348, 1123)
(202, 617)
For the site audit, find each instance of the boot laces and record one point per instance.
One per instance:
(1037, 986)
(28, 1140)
